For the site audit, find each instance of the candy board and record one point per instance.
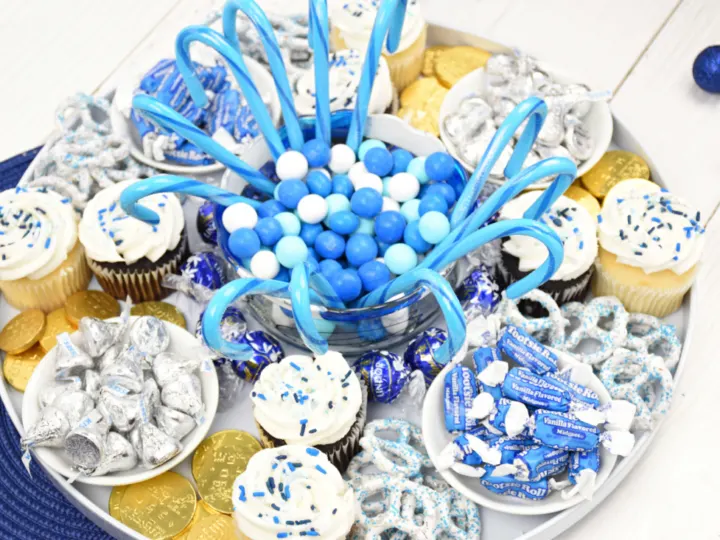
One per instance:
(93, 501)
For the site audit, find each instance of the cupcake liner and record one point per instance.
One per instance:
(340, 452)
(655, 301)
(142, 282)
(50, 292)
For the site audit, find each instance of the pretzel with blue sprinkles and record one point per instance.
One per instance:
(647, 334)
(589, 316)
(642, 379)
(549, 330)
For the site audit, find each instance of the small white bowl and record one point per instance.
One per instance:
(437, 437)
(181, 341)
(599, 120)
(123, 126)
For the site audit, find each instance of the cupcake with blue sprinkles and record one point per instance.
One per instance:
(292, 491)
(129, 256)
(316, 402)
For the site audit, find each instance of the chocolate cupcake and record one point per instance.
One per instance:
(128, 256)
(319, 403)
(520, 255)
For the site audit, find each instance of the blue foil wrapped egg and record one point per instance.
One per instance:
(204, 269)
(706, 69)
(206, 223)
(479, 293)
(384, 373)
(266, 350)
(420, 353)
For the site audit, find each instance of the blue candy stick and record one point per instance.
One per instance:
(234, 59)
(277, 65)
(388, 22)
(166, 117)
(169, 183)
(319, 41)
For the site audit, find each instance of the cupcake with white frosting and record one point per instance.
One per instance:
(292, 491)
(352, 22)
(129, 256)
(41, 261)
(577, 230)
(315, 402)
(650, 245)
(345, 71)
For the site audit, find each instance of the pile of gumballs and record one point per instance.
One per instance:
(357, 221)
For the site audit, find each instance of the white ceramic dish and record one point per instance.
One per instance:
(123, 126)
(599, 120)
(437, 437)
(181, 341)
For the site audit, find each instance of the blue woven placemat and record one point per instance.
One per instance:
(32, 508)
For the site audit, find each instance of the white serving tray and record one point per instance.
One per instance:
(92, 501)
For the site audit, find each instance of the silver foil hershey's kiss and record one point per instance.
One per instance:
(149, 335)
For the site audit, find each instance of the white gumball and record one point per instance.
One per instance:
(390, 205)
(312, 209)
(342, 158)
(356, 172)
(403, 187)
(291, 165)
(239, 216)
(264, 265)
(371, 181)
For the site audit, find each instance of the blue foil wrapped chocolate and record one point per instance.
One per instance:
(266, 350)
(479, 292)
(204, 269)
(420, 353)
(206, 223)
(384, 373)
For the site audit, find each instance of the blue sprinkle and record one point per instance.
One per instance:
(581, 244)
(677, 247)
(295, 366)
(275, 507)
(287, 492)
(599, 218)
(47, 243)
(261, 396)
(276, 520)
(258, 493)
(282, 535)
(319, 468)
(242, 493)
(656, 219)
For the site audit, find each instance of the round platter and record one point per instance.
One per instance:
(92, 501)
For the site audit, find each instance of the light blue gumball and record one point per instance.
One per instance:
(291, 251)
(434, 227)
(289, 222)
(400, 258)
(367, 226)
(417, 168)
(337, 203)
(410, 210)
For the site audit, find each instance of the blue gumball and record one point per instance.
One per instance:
(318, 183)
(389, 226)
(270, 208)
(342, 185)
(360, 249)
(401, 160)
(378, 161)
(373, 274)
(244, 243)
(706, 69)
(432, 203)
(446, 191)
(309, 232)
(366, 202)
(330, 245)
(439, 166)
(368, 145)
(343, 222)
(289, 192)
(413, 239)
(346, 284)
(316, 152)
(269, 231)
(283, 275)
(328, 267)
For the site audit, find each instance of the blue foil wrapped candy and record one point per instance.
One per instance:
(204, 269)
(266, 350)
(384, 373)
(479, 293)
(206, 223)
(420, 353)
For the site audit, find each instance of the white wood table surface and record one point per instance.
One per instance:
(641, 49)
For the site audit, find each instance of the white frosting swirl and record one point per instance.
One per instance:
(572, 222)
(291, 490)
(110, 235)
(345, 70)
(355, 19)
(650, 228)
(302, 401)
(38, 228)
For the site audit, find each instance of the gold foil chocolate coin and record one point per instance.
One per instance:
(159, 508)
(219, 527)
(216, 463)
(91, 304)
(614, 167)
(202, 510)
(161, 310)
(584, 198)
(454, 63)
(22, 332)
(17, 368)
(429, 59)
(57, 323)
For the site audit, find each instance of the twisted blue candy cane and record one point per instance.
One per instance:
(234, 59)
(534, 110)
(303, 277)
(388, 22)
(165, 183)
(445, 296)
(272, 50)
(319, 42)
(166, 117)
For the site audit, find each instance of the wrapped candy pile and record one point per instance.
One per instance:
(119, 399)
(523, 426)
